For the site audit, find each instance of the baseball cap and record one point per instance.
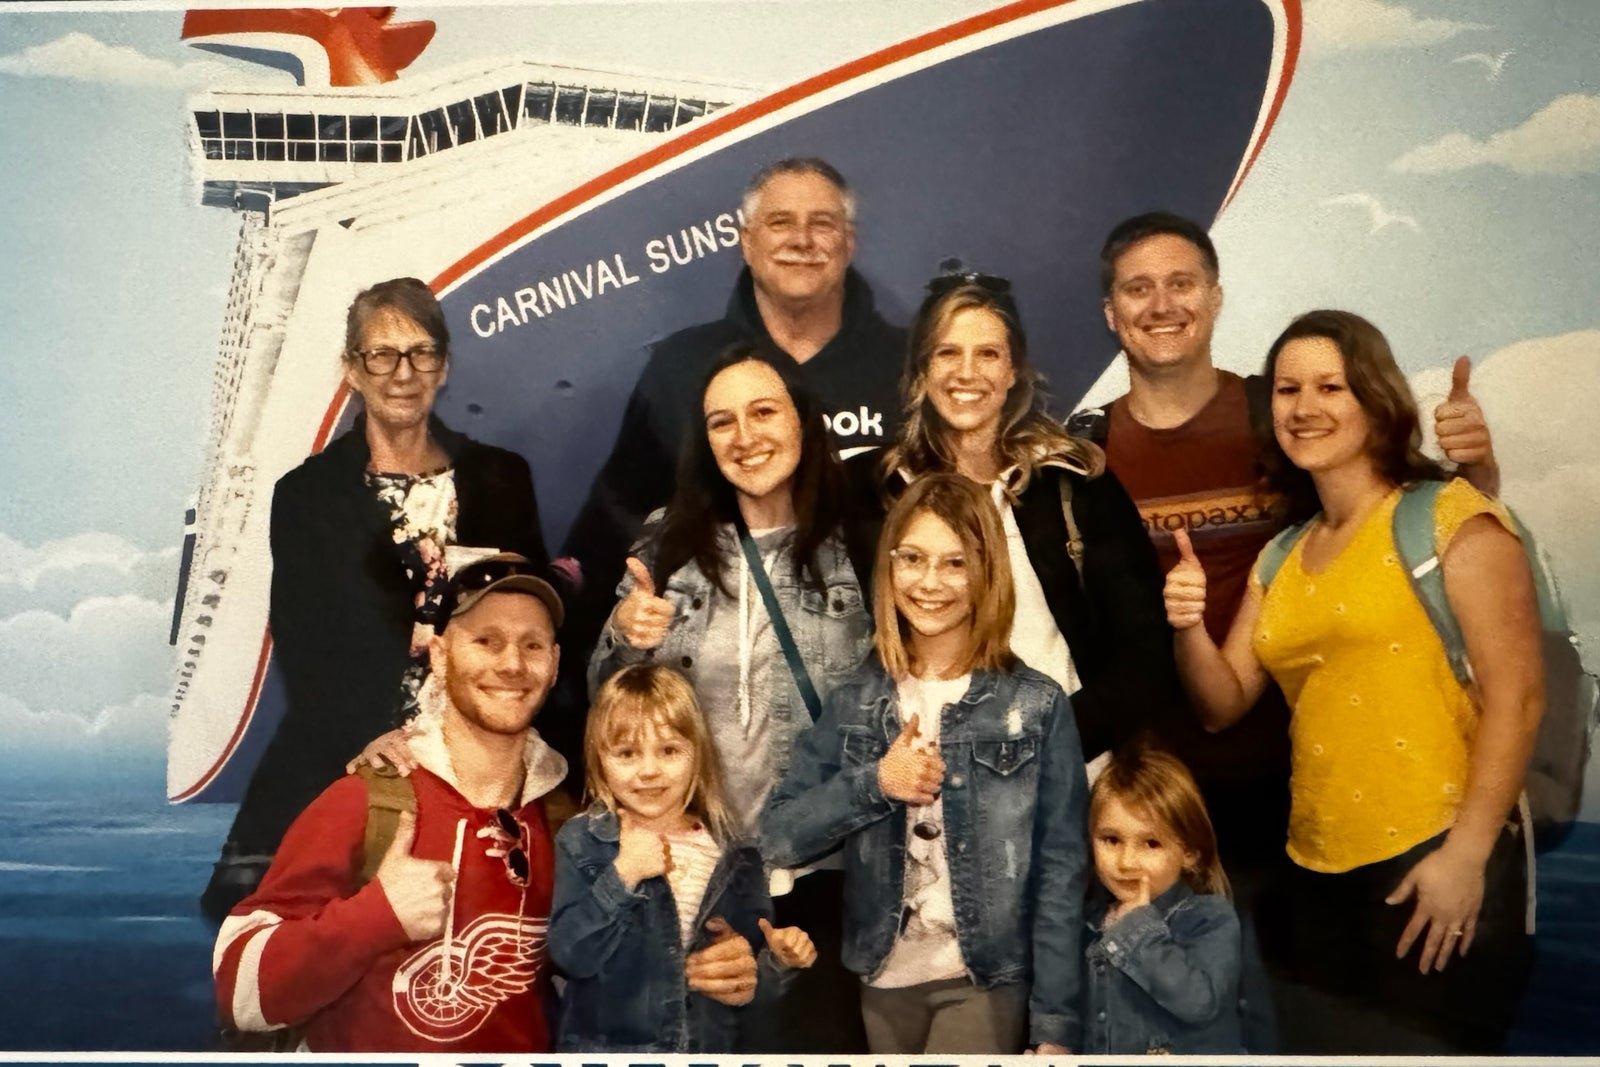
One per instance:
(504, 572)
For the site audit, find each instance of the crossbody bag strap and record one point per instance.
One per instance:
(780, 625)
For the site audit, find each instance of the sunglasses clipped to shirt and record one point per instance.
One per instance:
(516, 856)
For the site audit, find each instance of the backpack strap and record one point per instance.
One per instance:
(1074, 532)
(1091, 424)
(388, 794)
(1271, 559)
(1414, 541)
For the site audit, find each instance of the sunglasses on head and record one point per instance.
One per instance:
(990, 283)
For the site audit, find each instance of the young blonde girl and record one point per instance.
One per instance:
(656, 906)
(1164, 961)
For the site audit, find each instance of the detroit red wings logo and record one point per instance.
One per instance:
(444, 996)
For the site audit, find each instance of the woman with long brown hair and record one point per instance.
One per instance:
(1403, 779)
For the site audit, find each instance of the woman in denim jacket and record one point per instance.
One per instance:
(764, 463)
(651, 883)
(953, 776)
(1163, 959)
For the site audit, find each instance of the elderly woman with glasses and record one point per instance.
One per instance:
(360, 533)
(1089, 611)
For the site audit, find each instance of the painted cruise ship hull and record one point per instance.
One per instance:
(1011, 141)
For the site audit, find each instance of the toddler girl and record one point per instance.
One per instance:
(655, 906)
(1163, 970)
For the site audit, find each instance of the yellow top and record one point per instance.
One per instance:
(1382, 731)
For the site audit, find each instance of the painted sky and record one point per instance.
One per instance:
(1436, 167)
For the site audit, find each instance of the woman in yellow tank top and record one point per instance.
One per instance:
(1402, 781)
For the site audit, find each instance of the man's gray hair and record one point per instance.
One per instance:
(798, 165)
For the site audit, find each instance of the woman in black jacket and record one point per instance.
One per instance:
(360, 533)
(1089, 603)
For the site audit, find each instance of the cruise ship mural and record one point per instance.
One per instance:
(568, 217)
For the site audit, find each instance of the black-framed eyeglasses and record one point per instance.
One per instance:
(989, 283)
(424, 358)
(511, 835)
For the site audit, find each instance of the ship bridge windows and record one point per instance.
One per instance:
(538, 100)
(462, 126)
(569, 105)
(300, 133)
(278, 136)
(630, 111)
(659, 114)
(430, 132)
(491, 111)
(601, 109)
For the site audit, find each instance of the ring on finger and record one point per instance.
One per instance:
(1453, 932)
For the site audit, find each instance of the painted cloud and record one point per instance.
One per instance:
(1561, 139)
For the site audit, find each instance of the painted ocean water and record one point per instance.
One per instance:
(101, 946)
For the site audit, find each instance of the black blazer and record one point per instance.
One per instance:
(341, 610)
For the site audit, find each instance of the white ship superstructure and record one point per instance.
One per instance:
(338, 188)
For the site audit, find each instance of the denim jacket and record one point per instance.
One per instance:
(1015, 808)
(1165, 978)
(621, 954)
(832, 629)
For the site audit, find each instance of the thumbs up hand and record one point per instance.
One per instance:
(908, 773)
(1459, 424)
(418, 889)
(791, 946)
(642, 618)
(1186, 586)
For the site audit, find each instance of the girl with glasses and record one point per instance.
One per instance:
(950, 777)
(655, 896)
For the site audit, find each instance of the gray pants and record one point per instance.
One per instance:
(951, 1016)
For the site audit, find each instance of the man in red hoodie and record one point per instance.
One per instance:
(442, 950)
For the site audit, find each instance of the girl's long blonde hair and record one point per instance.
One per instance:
(1156, 785)
(648, 694)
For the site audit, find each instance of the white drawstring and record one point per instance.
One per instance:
(445, 979)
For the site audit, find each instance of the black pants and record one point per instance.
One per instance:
(821, 1010)
(1347, 994)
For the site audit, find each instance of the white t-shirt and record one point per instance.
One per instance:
(1035, 638)
(927, 949)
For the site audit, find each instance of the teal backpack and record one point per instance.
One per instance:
(1554, 787)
